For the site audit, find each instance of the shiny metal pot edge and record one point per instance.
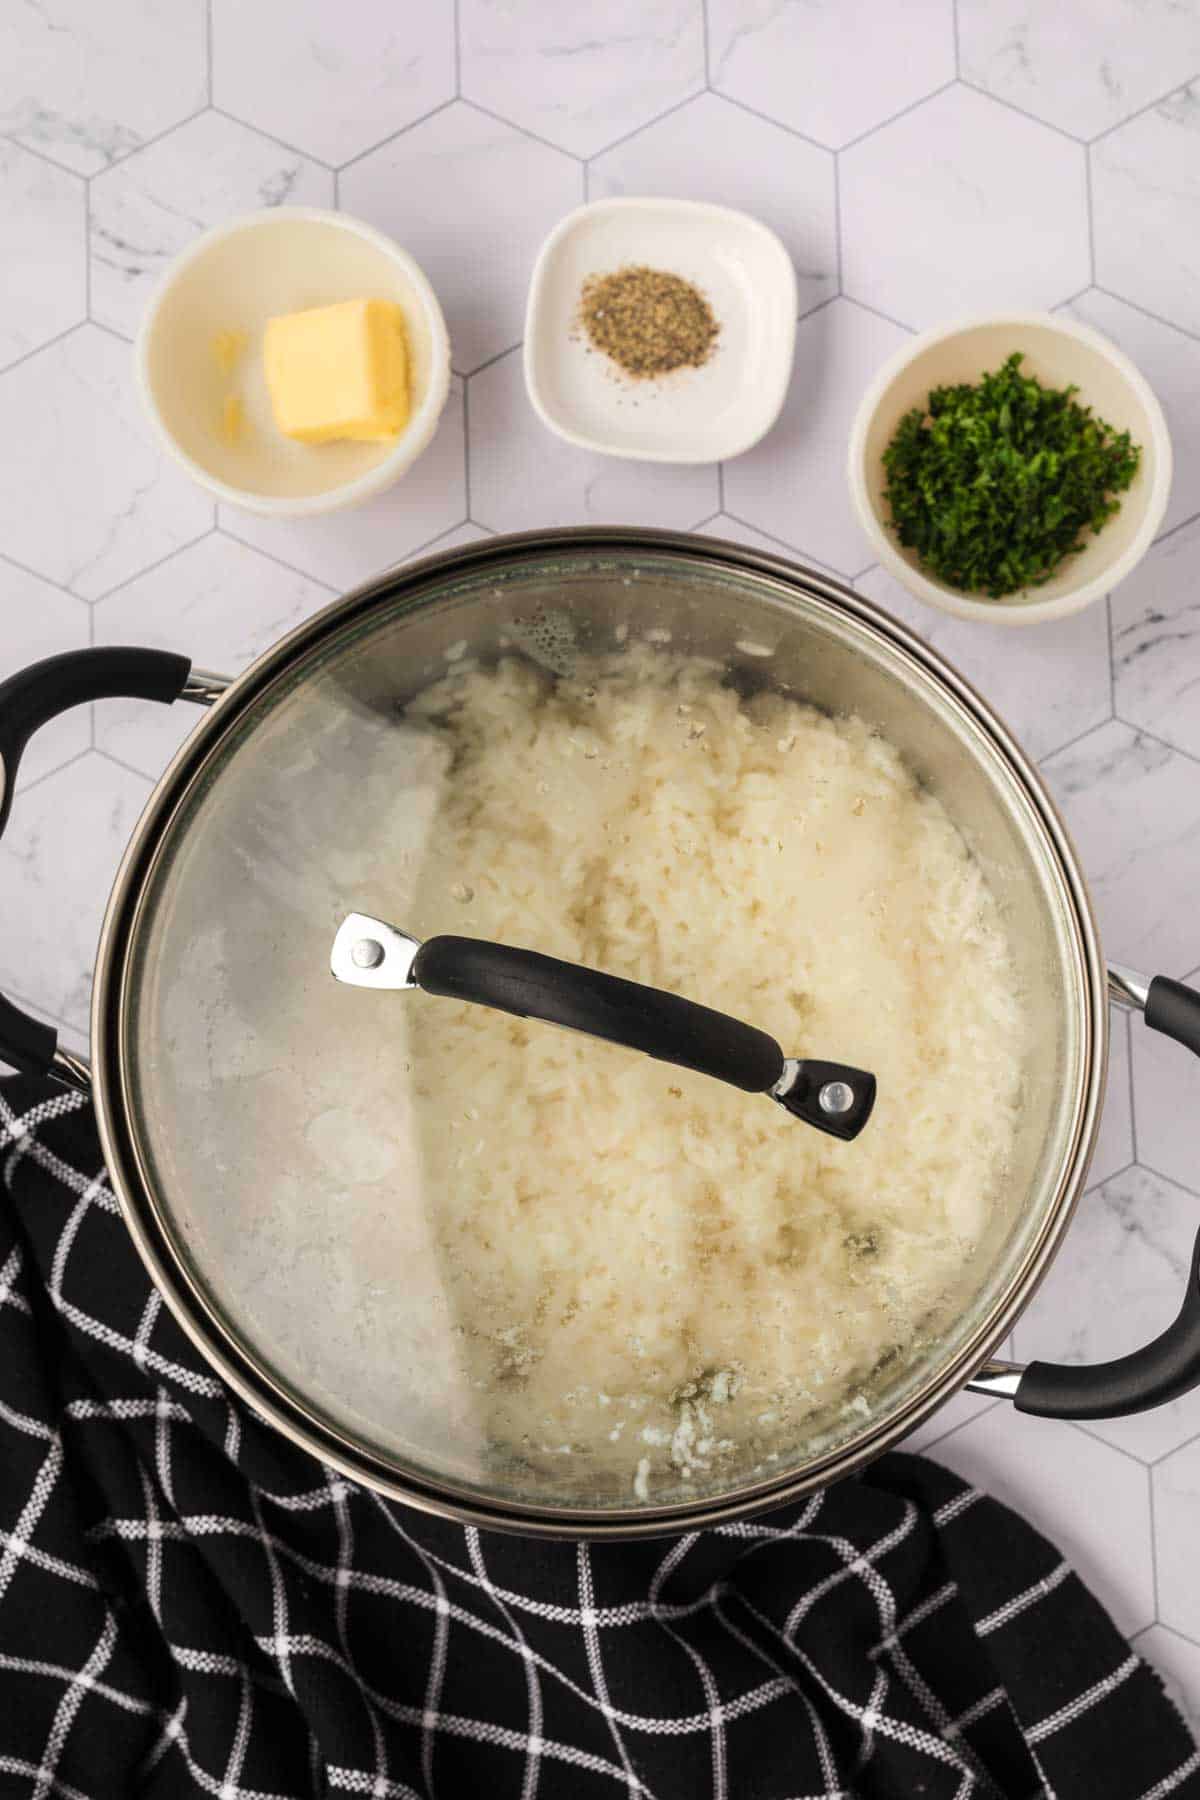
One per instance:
(139, 1206)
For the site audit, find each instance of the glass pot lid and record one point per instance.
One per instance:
(523, 1269)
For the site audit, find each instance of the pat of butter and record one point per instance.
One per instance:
(338, 371)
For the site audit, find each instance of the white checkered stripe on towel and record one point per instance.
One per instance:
(189, 1605)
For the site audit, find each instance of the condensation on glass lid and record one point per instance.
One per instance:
(658, 1289)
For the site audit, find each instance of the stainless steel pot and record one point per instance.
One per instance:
(240, 1104)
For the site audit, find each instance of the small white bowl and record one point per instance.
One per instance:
(1058, 352)
(234, 278)
(692, 415)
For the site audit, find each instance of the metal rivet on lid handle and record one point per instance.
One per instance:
(836, 1097)
(367, 953)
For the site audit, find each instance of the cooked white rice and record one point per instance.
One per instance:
(652, 1270)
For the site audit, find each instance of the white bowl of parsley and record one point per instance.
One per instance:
(1012, 468)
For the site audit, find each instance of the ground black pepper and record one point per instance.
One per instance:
(649, 322)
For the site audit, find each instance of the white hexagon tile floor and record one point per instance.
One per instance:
(916, 161)
(711, 149)
(144, 212)
(45, 284)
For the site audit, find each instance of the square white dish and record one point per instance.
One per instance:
(692, 415)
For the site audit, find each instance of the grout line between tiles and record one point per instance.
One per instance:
(38, 348)
(279, 561)
(273, 137)
(27, 787)
(934, 94)
(103, 325)
(50, 581)
(1061, 749)
(929, 1448)
(129, 768)
(837, 219)
(1157, 1461)
(806, 312)
(1182, 526)
(466, 433)
(330, 587)
(87, 248)
(208, 47)
(1098, 1438)
(1072, 299)
(470, 374)
(1091, 211)
(704, 31)
(768, 119)
(1171, 1180)
(1094, 1187)
(1112, 661)
(1143, 731)
(1150, 105)
(401, 131)
(1022, 112)
(786, 544)
(957, 46)
(627, 136)
(156, 137)
(820, 306)
(42, 156)
(887, 318)
(1159, 318)
(178, 550)
(523, 130)
(432, 543)
(457, 52)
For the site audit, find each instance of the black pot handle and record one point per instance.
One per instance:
(832, 1096)
(1170, 1365)
(30, 699)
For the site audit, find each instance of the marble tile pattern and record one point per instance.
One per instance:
(917, 161)
(963, 206)
(144, 212)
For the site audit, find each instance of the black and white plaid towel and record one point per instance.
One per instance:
(189, 1605)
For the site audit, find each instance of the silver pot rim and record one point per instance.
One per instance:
(135, 1194)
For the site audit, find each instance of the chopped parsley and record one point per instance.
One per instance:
(994, 485)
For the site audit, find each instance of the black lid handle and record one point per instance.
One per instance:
(832, 1096)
